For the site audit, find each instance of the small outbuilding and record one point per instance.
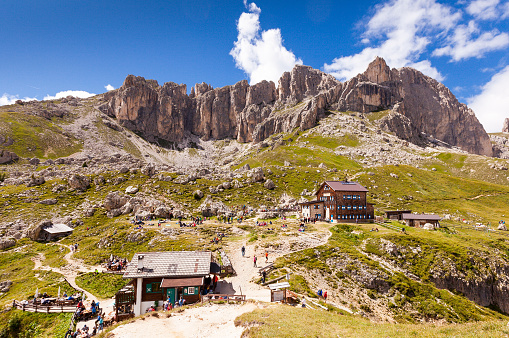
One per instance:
(396, 214)
(52, 231)
(418, 220)
(170, 275)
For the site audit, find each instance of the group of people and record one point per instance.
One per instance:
(85, 331)
(322, 294)
(217, 238)
(308, 220)
(374, 229)
(210, 284)
(74, 247)
(117, 264)
(255, 259)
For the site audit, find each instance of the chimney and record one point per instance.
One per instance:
(140, 262)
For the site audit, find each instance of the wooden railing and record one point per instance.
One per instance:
(222, 298)
(44, 308)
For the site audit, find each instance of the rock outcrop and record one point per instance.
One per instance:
(247, 113)
(7, 156)
(505, 128)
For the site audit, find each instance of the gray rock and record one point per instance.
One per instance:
(50, 201)
(114, 201)
(36, 181)
(7, 156)
(131, 190)
(149, 170)
(34, 161)
(198, 194)
(6, 243)
(162, 212)
(78, 182)
(269, 184)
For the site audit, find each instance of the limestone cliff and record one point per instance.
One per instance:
(253, 113)
(428, 104)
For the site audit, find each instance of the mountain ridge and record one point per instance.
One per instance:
(253, 113)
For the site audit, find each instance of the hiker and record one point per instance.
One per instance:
(215, 282)
(266, 256)
(254, 261)
(100, 321)
(264, 275)
(320, 294)
(325, 296)
(243, 251)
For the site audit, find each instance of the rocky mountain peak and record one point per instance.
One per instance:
(378, 71)
(247, 113)
(303, 82)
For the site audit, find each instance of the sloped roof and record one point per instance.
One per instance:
(170, 264)
(345, 186)
(423, 217)
(57, 228)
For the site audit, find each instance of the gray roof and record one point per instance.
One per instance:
(169, 264)
(57, 228)
(423, 217)
(346, 186)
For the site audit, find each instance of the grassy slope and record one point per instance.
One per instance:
(286, 321)
(35, 136)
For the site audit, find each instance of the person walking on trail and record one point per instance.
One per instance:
(325, 296)
(243, 251)
(266, 256)
(254, 261)
(264, 275)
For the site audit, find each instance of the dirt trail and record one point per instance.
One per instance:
(214, 320)
(70, 272)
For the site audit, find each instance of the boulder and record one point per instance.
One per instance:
(502, 226)
(257, 174)
(34, 161)
(149, 170)
(269, 184)
(131, 190)
(7, 156)
(78, 182)
(50, 201)
(99, 180)
(198, 194)
(114, 201)
(35, 230)
(226, 185)
(35, 181)
(6, 243)
(162, 212)
(5, 286)
(428, 226)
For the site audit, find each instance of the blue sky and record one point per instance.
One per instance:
(54, 48)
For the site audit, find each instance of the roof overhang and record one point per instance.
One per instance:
(179, 282)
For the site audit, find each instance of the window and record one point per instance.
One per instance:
(343, 207)
(153, 287)
(354, 207)
(349, 207)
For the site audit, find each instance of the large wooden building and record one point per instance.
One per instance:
(339, 201)
(158, 276)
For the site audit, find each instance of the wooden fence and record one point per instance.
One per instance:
(44, 308)
(222, 298)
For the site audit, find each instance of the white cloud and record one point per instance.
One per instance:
(505, 10)
(483, 9)
(404, 29)
(261, 55)
(7, 99)
(491, 105)
(463, 44)
(109, 87)
(76, 93)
